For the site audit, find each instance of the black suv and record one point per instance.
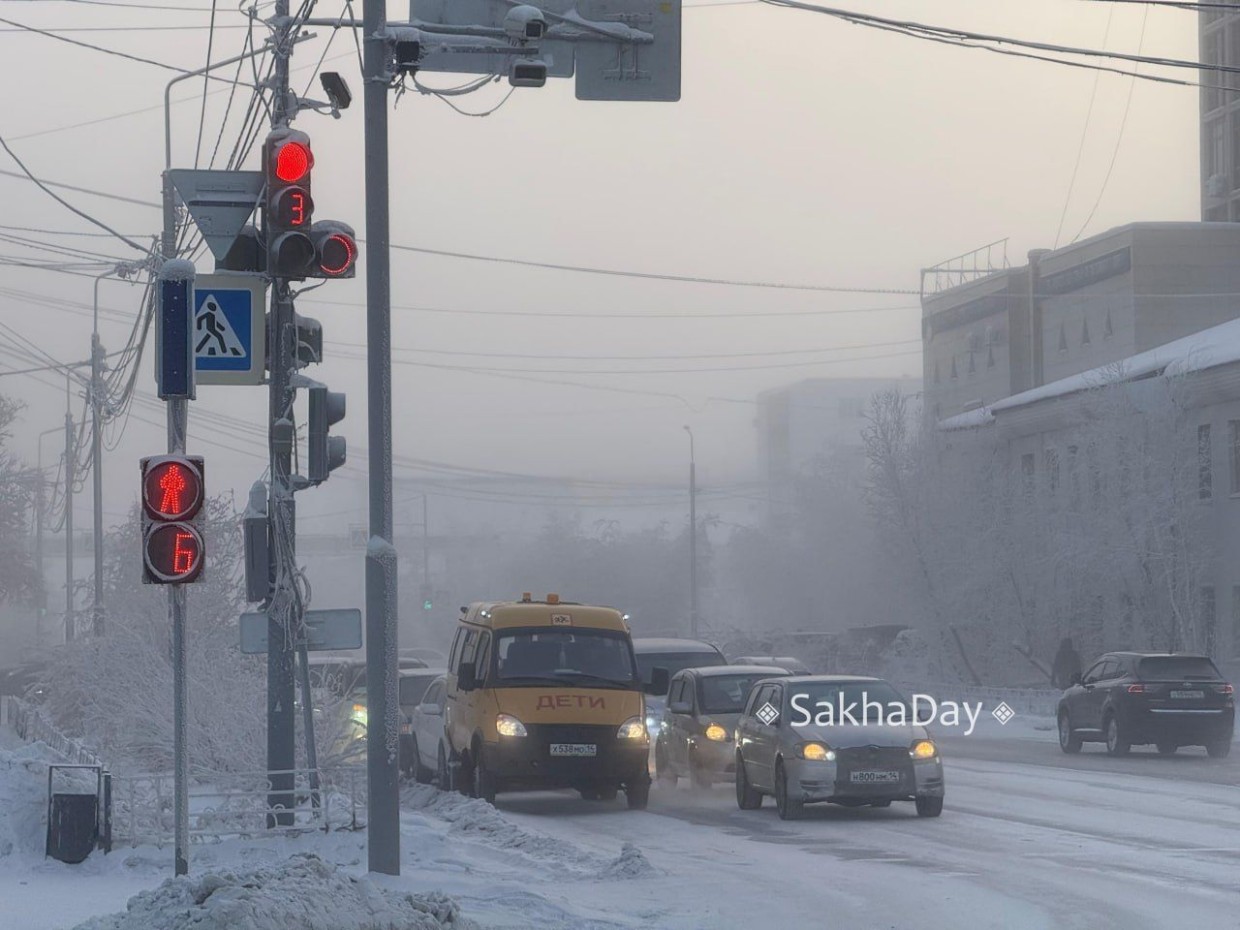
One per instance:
(1132, 698)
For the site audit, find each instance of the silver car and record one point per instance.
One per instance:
(838, 738)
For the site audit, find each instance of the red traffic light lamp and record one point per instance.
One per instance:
(335, 248)
(292, 159)
(173, 491)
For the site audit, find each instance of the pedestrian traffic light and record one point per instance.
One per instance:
(288, 208)
(325, 453)
(172, 497)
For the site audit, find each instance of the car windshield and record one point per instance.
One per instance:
(590, 657)
(816, 695)
(1190, 668)
(412, 687)
(676, 661)
(726, 694)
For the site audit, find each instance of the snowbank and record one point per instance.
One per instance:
(23, 799)
(304, 892)
(474, 819)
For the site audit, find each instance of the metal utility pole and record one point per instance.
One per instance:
(282, 607)
(426, 544)
(96, 422)
(382, 758)
(70, 455)
(693, 533)
(40, 504)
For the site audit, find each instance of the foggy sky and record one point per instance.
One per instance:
(804, 150)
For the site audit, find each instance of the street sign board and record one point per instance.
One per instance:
(174, 330)
(490, 13)
(605, 68)
(325, 629)
(220, 202)
(230, 330)
(626, 71)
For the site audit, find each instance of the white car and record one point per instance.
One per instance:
(425, 724)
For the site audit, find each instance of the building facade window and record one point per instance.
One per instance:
(1052, 470)
(1063, 338)
(1233, 456)
(1209, 623)
(1107, 329)
(1205, 464)
(1085, 332)
(1235, 618)
(1027, 474)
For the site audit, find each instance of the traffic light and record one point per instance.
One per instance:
(428, 599)
(335, 250)
(297, 247)
(173, 551)
(287, 162)
(325, 453)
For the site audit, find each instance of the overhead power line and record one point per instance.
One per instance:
(1021, 48)
(96, 48)
(64, 203)
(654, 276)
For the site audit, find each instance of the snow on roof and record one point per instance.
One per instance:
(1209, 348)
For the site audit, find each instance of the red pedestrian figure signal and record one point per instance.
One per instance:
(172, 487)
(172, 496)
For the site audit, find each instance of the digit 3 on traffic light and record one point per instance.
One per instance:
(173, 551)
(297, 247)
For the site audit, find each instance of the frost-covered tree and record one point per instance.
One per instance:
(1093, 530)
(18, 577)
(116, 690)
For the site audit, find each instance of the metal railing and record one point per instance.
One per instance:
(34, 726)
(961, 269)
(237, 804)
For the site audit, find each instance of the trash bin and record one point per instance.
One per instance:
(72, 819)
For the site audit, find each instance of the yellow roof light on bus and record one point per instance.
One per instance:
(553, 598)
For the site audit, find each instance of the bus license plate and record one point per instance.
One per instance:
(574, 749)
(875, 778)
(1187, 695)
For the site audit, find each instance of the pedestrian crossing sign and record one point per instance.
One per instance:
(229, 331)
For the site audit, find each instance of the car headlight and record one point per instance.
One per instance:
(633, 728)
(816, 752)
(508, 725)
(716, 733)
(923, 749)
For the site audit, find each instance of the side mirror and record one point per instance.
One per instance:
(659, 679)
(467, 677)
(680, 707)
(431, 710)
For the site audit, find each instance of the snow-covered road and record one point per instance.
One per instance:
(1029, 839)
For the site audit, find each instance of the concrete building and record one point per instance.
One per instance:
(1091, 304)
(1038, 432)
(803, 423)
(1220, 116)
